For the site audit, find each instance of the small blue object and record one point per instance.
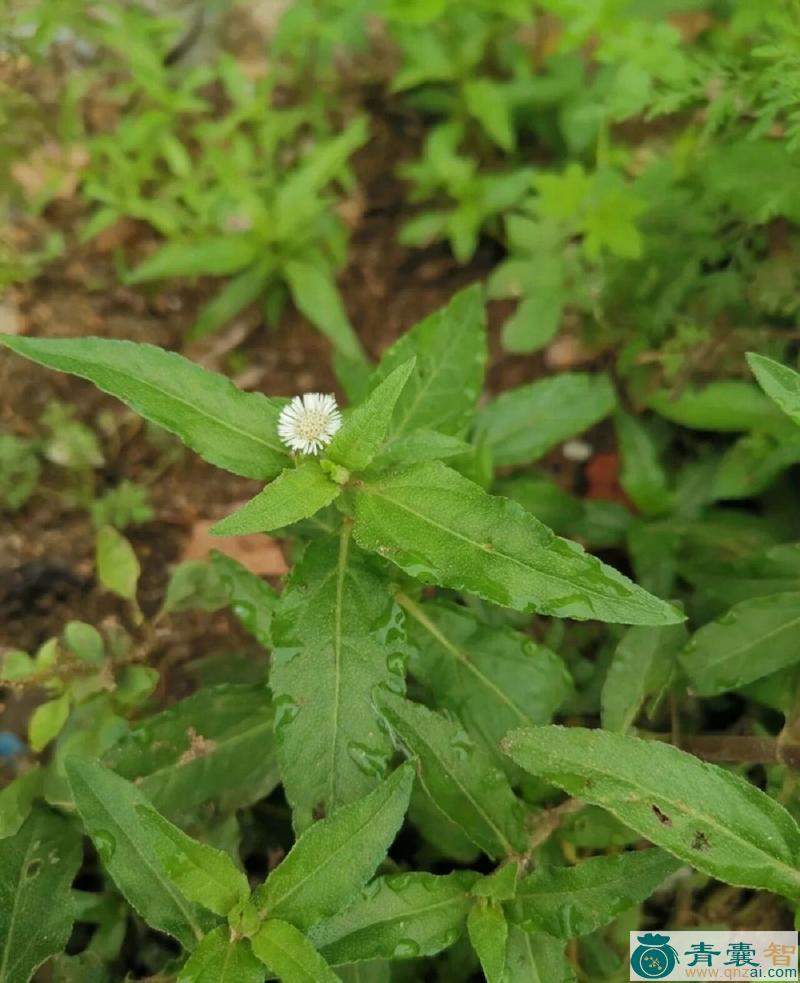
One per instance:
(10, 745)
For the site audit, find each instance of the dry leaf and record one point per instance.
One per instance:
(261, 554)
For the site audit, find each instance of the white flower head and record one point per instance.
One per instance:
(309, 422)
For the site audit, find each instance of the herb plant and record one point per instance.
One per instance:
(405, 693)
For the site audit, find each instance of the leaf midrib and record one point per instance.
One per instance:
(682, 807)
(14, 910)
(275, 448)
(504, 841)
(416, 612)
(329, 859)
(167, 885)
(341, 571)
(371, 489)
(225, 745)
(732, 654)
(398, 917)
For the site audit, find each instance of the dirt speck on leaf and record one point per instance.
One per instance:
(199, 746)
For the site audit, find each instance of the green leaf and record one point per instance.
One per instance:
(448, 840)
(490, 677)
(216, 744)
(219, 256)
(728, 581)
(108, 807)
(753, 639)
(642, 665)
(218, 960)
(726, 405)
(444, 529)
(193, 586)
(459, 776)
(418, 446)
(451, 351)
(85, 641)
(19, 472)
(295, 494)
(364, 430)
(641, 474)
(753, 463)
(521, 425)
(779, 382)
(289, 954)
(242, 290)
(400, 916)
(337, 635)
(47, 721)
(709, 817)
(488, 933)
(37, 867)
(201, 873)
(16, 800)
(117, 565)
(234, 430)
(501, 884)
(535, 321)
(314, 292)
(488, 101)
(334, 858)
(570, 901)
(298, 200)
(252, 599)
(374, 971)
(533, 957)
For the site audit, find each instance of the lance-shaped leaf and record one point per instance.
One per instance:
(217, 256)
(753, 639)
(37, 867)
(488, 933)
(417, 446)
(313, 289)
(447, 839)
(450, 349)
(730, 405)
(230, 428)
(364, 429)
(219, 960)
(523, 424)
(444, 529)
(200, 872)
(779, 382)
(642, 666)
(459, 776)
(337, 634)
(569, 901)
(216, 744)
(533, 957)
(295, 494)
(641, 474)
(289, 954)
(491, 677)
(331, 861)
(252, 599)
(773, 570)
(107, 805)
(709, 817)
(401, 916)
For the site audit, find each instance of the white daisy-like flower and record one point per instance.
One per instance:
(309, 422)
